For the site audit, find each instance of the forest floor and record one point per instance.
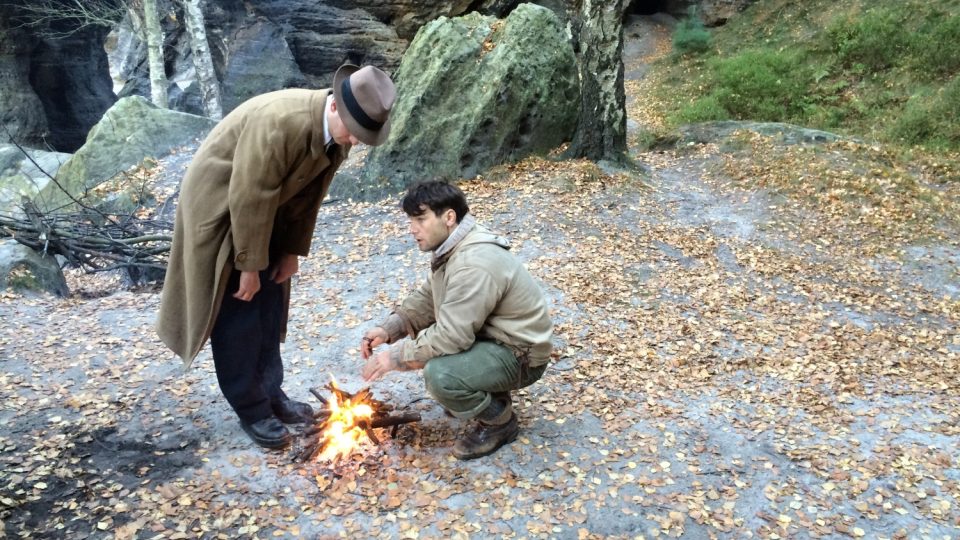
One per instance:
(734, 359)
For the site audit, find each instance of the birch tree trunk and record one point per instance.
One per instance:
(158, 73)
(202, 61)
(602, 130)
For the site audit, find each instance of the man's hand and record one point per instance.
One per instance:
(378, 366)
(249, 286)
(287, 266)
(374, 337)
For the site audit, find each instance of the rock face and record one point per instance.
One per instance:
(52, 89)
(476, 91)
(129, 131)
(24, 269)
(247, 74)
(20, 108)
(264, 45)
(71, 77)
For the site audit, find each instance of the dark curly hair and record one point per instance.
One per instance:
(437, 195)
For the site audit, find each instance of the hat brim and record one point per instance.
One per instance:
(366, 136)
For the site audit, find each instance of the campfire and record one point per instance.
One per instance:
(345, 422)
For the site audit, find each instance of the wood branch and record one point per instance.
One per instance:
(388, 421)
(316, 393)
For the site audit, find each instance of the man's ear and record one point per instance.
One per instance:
(450, 217)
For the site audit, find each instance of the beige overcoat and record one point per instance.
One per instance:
(255, 184)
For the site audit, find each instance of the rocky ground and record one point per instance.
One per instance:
(732, 361)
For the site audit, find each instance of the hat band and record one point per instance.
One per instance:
(355, 110)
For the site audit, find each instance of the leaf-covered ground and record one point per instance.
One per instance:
(741, 352)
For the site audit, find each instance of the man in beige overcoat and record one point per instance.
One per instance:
(247, 210)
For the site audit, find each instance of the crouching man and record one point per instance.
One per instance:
(479, 326)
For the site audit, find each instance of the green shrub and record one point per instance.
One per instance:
(876, 40)
(705, 109)
(762, 85)
(691, 36)
(936, 47)
(931, 120)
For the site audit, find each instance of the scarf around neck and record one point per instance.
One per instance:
(442, 253)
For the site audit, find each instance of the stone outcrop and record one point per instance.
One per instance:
(128, 132)
(711, 132)
(22, 268)
(477, 91)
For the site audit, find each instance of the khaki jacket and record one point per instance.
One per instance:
(253, 189)
(481, 292)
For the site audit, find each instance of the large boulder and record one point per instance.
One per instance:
(22, 268)
(131, 130)
(474, 92)
(24, 173)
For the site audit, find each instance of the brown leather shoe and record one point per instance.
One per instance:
(486, 439)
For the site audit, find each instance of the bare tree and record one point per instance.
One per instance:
(61, 18)
(602, 130)
(202, 61)
(158, 72)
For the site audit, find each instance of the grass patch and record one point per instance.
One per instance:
(930, 118)
(690, 35)
(759, 84)
(882, 70)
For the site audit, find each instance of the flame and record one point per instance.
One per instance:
(342, 431)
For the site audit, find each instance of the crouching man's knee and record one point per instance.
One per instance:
(441, 383)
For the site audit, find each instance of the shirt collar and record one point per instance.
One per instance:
(327, 139)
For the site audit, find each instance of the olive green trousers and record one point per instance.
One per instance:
(463, 383)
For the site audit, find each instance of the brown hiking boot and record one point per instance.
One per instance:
(486, 439)
(489, 433)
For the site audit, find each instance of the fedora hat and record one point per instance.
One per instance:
(364, 98)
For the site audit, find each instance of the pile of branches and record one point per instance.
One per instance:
(95, 241)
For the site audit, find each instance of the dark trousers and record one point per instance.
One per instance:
(246, 349)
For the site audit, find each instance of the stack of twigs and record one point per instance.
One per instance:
(314, 436)
(96, 243)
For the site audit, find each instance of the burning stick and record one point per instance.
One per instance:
(344, 419)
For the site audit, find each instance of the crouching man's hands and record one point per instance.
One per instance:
(378, 365)
(374, 338)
